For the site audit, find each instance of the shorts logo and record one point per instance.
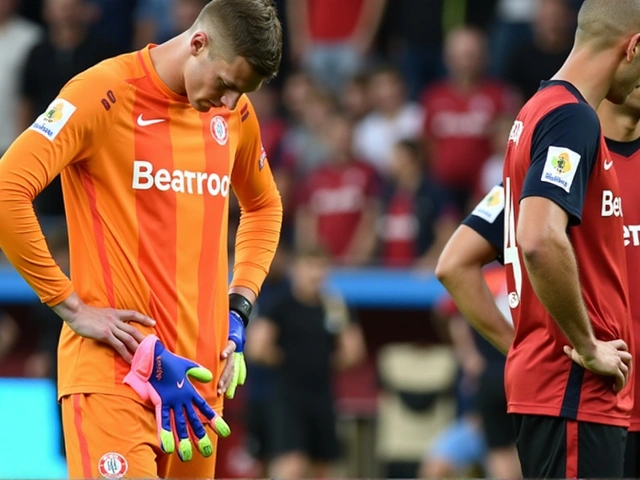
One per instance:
(53, 119)
(112, 465)
(219, 129)
(560, 167)
(491, 206)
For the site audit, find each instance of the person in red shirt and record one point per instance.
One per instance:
(418, 216)
(460, 113)
(339, 202)
(331, 37)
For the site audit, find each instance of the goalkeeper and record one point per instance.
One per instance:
(148, 146)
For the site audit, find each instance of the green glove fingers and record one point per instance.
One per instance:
(242, 375)
(201, 374)
(221, 427)
(239, 374)
(186, 450)
(205, 447)
(167, 440)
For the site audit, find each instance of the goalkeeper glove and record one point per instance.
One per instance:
(237, 336)
(162, 377)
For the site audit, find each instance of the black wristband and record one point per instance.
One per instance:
(241, 306)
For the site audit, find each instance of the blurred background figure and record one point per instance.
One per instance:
(461, 111)
(394, 117)
(17, 37)
(540, 57)
(69, 48)
(305, 335)
(333, 47)
(418, 216)
(339, 201)
(159, 20)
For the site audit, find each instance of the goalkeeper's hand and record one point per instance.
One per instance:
(235, 371)
(163, 378)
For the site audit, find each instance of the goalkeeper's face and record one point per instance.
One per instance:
(212, 81)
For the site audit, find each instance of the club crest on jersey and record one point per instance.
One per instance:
(219, 129)
(491, 206)
(560, 167)
(112, 465)
(53, 119)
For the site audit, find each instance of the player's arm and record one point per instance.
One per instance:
(368, 24)
(256, 240)
(260, 209)
(70, 131)
(477, 242)
(549, 204)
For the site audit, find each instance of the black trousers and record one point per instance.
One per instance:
(552, 447)
(632, 456)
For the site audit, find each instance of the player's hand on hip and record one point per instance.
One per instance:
(235, 371)
(107, 325)
(163, 378)
(609, 358)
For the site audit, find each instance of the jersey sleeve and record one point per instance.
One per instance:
(260, 205)
(487, 219)
(564, 149)
(70, 130)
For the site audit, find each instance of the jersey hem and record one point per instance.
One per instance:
(216, 404)
(635, 425)
(582, 416)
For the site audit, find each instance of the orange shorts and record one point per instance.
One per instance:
(111, 436)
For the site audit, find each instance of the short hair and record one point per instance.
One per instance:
(603, 22)
(246, 28)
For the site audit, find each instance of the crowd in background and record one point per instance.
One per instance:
(387, 123)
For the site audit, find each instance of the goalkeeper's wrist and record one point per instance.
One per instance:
(240, 305)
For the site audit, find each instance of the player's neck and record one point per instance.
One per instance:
(168, 63)
(619, 123)
(589, 72)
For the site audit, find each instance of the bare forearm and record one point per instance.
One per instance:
(553, 273)
(475, 301)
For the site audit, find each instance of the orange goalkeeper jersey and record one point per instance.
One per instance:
(146, 182)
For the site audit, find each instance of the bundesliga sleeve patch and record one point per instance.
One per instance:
(491, 205)
(53, 119)
(560, 167)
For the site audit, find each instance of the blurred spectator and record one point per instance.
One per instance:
(159, 20)
(542, 56)
(69, 48)
(354, 98)
(418, 218)
(17, 37)
(113, 19)
(330, 38)
(511, 28)
(339, 201)
(304, 144)
(461, 111)
(9, 333)
(491, 174)
(305, 336)
(393, 118)
(261, 377)
(460, 449)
